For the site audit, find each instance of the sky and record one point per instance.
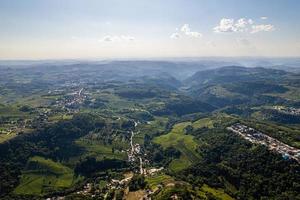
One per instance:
(95, 29)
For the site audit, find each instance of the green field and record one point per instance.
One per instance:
(58, 117)
(152, 127)
(7, 136)
(44, 175)
(183, 188)
(184, 143)
(9, 119)
(101, 151)
(179, 164)
(204, 122)
(218, 193)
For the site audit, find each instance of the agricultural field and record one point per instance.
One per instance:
(217, 193)
(203, 123)
(159, 179)
(103, 151)
(42, 176)
(184, 143)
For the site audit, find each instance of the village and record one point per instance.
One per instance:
(140, 165)
(257, 137)
(39, 116)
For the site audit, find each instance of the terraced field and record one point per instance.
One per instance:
(154, 181)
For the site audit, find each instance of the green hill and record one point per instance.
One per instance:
(42, 176)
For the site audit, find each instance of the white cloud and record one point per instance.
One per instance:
(106, 38)
(185, 28)
(175, 36)
(262, 28)
(187, 31)
(127, 38)
(109, 38)
(227, 25)
(263, 18)
(241, 24)
(194, 34)
(250, 21)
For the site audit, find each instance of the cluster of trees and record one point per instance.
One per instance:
(49, 142)
(137, 93)
(141, 116)
(253, 171)
(164, 157)
(257, 87)
(280, 117)
(183, 106)
(90, 165)
(137, 182)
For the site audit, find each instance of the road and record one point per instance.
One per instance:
(134, 152)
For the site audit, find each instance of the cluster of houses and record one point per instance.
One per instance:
(72, 101)
(288, 110)
(133, 152)
(14, 126)
(68, 104)
(255, 136)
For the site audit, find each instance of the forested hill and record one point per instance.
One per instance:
(235, 74)
(240, 85)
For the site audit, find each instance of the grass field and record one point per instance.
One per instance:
(205, 192)
(184, 143)
(7, 136)
(157, 125)
(179, 164)
(58, 117)
(44, 175)
(218, 193)
(9, 117)
(204, 122)
(101, 151)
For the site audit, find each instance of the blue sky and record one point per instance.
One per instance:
(39, 29)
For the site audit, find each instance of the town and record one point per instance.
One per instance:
(257, 137)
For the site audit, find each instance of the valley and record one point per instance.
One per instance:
(149, 130)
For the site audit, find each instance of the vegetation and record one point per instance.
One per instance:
(88, 132)
(181, 141)
(43, 176)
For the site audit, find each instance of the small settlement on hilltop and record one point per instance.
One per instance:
(255, 136)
